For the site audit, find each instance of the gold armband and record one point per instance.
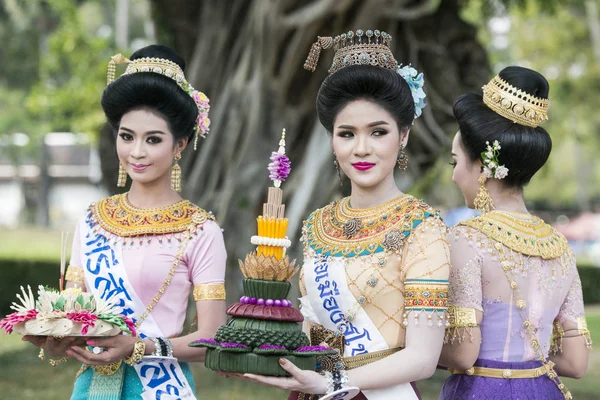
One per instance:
(209, 291)
(75, 275)
(461, 317)
(584, 331)
(556, 339)
(460, 321)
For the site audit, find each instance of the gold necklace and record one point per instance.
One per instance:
(339, 230)
(119, 217)
(523, 233)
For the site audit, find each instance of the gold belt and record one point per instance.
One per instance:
(505, 373)
(364, 359)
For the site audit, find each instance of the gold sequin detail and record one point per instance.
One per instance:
(116, 215)
(209, 291)
(523, 233)
(75, 275)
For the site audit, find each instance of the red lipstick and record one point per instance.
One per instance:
(363, 166)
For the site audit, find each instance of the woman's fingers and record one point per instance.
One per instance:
(87, 357)
(35, 340)
(290, 367)
(278, 382)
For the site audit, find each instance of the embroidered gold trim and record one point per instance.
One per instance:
(75, 275)
(339, 230)
(522, 233)
(425, 295)
(116, 215)
(366, 359)
(209, 291)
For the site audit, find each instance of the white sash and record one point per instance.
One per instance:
(327, 298)
(105, 276)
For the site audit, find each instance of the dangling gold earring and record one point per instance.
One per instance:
(337, 169)
(402, 159)
(483, 202)
(176, 174)
(122, 177)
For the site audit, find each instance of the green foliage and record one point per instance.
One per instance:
(16, 273)
(72, 74)
(590, 276)
(554, 38)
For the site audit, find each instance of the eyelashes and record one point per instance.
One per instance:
(150, 139)
(349, 134)
(453, 163)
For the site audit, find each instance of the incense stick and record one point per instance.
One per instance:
(64, 241)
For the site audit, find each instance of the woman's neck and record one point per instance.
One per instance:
(152, 194)
(367, 197)
(506, 199)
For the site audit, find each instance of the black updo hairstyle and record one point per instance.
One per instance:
(153, 92)
(524, 149)
(382, 86)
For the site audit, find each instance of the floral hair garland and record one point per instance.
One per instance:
(416, 82)
(491, 164)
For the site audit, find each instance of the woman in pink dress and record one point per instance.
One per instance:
(147, 250)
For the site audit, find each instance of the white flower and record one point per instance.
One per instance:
(487, 172)
(496, 143)
(489, 154)
(492, 165)
(501, 172)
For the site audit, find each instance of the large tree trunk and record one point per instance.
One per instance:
(247, 56)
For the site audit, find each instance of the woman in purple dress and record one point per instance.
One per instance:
(516, 307)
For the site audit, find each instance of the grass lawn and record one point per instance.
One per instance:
(47, 244)
(23, 376)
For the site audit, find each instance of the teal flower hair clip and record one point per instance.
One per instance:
(416, 82)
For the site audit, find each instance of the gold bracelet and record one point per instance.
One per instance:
(139, 349)
(52, 362)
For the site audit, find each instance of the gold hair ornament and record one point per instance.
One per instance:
(171, 70)
(354, 48)
(514, 104)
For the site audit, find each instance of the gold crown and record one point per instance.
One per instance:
(514, 104)
(354, 48)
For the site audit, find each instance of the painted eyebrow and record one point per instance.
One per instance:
(453, 154)
(372, 124)
(147, 133)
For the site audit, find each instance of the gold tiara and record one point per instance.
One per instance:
(354, 48)
(514, 104)
(171, 70)
(147, 64)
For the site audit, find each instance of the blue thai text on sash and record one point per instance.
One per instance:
(354, 337)
(100, 259)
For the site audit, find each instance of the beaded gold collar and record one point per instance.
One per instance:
(116, 215)
(523, 233)
(340, 231)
